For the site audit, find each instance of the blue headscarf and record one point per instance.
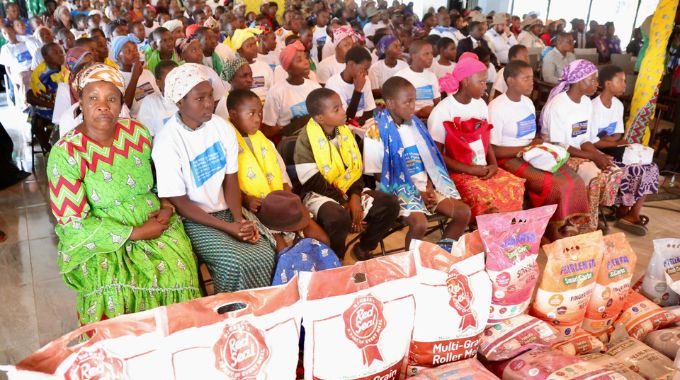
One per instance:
(118, 43)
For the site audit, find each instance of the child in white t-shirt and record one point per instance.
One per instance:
(196, 159)
(285, 111)
(245, 43)
(320, 36)
(344, 38)
(445, 62)
(266, 49)
(420, 76)
(16, 58)
(155, 110)
(353, 85)
(139, 82)
(638, 180)
(389, 50)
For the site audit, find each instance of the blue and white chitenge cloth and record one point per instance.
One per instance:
(308, 255)
(395, 178)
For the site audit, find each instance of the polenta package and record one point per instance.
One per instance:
(511, 337)
(512, 241)
(249, 334)
(641, 316)
(568, 281)
(551, 364)
(609, 362)
(662, 278)
(612, 285)
(467, 369)
(358, 319)
(643, 359)
(581, 343)
(666, 341)
(452, 306)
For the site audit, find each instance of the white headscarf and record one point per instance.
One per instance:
(182, 79)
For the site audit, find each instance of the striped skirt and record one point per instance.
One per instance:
(234, 265)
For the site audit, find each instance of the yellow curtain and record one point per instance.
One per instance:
(651, 71)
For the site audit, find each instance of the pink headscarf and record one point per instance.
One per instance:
(288, 53)
(343, 32)
(467, 66)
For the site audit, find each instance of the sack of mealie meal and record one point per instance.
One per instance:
(358, 319)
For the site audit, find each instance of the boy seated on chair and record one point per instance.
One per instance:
(261, 168)
(401, 154)
(329, 166)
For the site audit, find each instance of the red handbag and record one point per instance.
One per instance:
(459, 136)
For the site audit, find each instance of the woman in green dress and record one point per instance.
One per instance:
(120, 248)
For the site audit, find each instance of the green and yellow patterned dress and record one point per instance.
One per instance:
(98, 194)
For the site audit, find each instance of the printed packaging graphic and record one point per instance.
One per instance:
(511, 337)
(663, 272)
(464, 369)
(358, 319)
(512, 241)
(257, 340)
(452, 305)
(613, 284)
(568, 281)
(646, 361)
(641, 316)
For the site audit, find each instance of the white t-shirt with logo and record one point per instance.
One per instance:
(448, 109)
(567, 123)
(327, 68)
(286, 102)
(440, 70)
(195, 163)
(379, 72)
(608, 120)
(155, 111)
(146, 85)
(17, 57)
(263, 78)
(426, 84)
(514, 123)
(346, 90)
(374, 152)
(270, 59)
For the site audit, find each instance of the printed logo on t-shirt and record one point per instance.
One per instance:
(425, 93)
(165, 119)
(414, 164)
(273, 66)
(362, 103)
(258, 82)
(142, 91)
(299, 110)
(321, 41)
(207, 164)
(24, 56)
(479, 154)
(577, 129)
(609, 130)
(526, 126)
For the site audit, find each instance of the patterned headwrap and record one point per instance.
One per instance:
(242, 35)
(231, 66)
(191, 30)
(118, 43)
(182, 79)
(573, 73)
(467, 66)
(383, 44)
(288, 53)
(343, 32)
(211, 23)
(75, 56)
(100, 72)
(183, 44)
(171, 25)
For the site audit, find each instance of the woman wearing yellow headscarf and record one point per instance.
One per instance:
(244, 43)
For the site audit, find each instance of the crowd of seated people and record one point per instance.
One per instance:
(208, 135)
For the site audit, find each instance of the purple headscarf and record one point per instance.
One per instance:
(383, 44)
(574, 72)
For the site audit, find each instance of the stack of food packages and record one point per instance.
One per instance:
(477, 312)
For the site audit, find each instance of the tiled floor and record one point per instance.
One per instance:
(38, 307)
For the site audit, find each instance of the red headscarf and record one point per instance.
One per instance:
(288, 53)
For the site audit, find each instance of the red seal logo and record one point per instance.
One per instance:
(364, 322)
(461, 299)
(241, 351)
(95, 363)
